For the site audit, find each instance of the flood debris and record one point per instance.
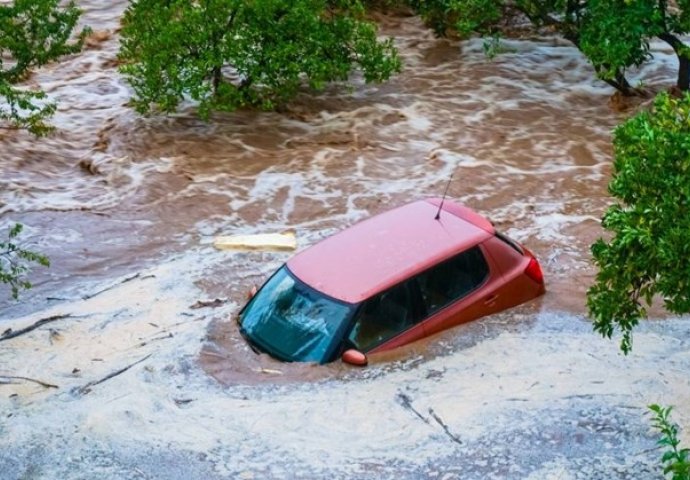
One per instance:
(88, 165)
(9, 333)
(285, 241)
(8, 379)
(89, 296)
(54, 335)
(116, 284)
(84, 389)
(209, 303)
(154, 339)
(406, 402)
(444, 426)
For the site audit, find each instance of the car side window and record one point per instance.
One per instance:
(453, 279)
(384, 316)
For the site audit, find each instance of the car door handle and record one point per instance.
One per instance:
(490, 299)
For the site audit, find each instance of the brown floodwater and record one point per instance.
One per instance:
(127, 207)
(525, 135)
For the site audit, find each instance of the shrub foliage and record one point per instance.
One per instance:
(649, 252)
(226, 54)
(32, 33)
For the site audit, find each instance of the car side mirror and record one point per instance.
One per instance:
(252, 291)
(355, 357)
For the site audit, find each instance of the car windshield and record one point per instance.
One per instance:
(292, 321)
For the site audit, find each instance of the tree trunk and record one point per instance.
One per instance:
(620, 83)
(624, 86)
(683, 82)
(683, 72)
(216, 80)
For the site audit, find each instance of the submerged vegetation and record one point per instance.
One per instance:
(32, 33)
(231, 53)
(613, 35)
(15, 262)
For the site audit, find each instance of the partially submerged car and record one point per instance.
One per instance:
(388, 281)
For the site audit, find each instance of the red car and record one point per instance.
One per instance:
(388, 281)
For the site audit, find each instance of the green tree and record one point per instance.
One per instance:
(32, 33)
(614, 35)
(15, 262)
(225, 54)
(649, 252)
(488, 18)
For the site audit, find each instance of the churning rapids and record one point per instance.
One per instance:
(127, 207)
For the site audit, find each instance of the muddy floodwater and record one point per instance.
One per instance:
(139, 372)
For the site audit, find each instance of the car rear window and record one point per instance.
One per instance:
(511, 243)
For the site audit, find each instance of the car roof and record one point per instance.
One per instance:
(384, 250)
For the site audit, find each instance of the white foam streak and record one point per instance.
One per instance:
(167, 401)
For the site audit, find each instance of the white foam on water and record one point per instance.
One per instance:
(167, 401)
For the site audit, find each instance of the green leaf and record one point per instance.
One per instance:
(15, 262)
(674, 460)
(647, 254)
(229, 54)
(32, 34)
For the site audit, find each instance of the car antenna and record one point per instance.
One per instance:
(440, 206)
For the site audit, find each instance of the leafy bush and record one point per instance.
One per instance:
(32, 33)
(226, 54)
(649, 253)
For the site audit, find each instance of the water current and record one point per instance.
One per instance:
(127, 207)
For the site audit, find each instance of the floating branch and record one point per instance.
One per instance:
(83, 390)
(9, 333)
(110, 287)
(444, 426)
(43, 384)
(406, 402)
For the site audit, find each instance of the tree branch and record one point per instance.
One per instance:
(87, 388)
(672, 40)
(33, 380)
(9, 333)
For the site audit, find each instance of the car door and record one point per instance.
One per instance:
(388, 319)
(460, 289)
